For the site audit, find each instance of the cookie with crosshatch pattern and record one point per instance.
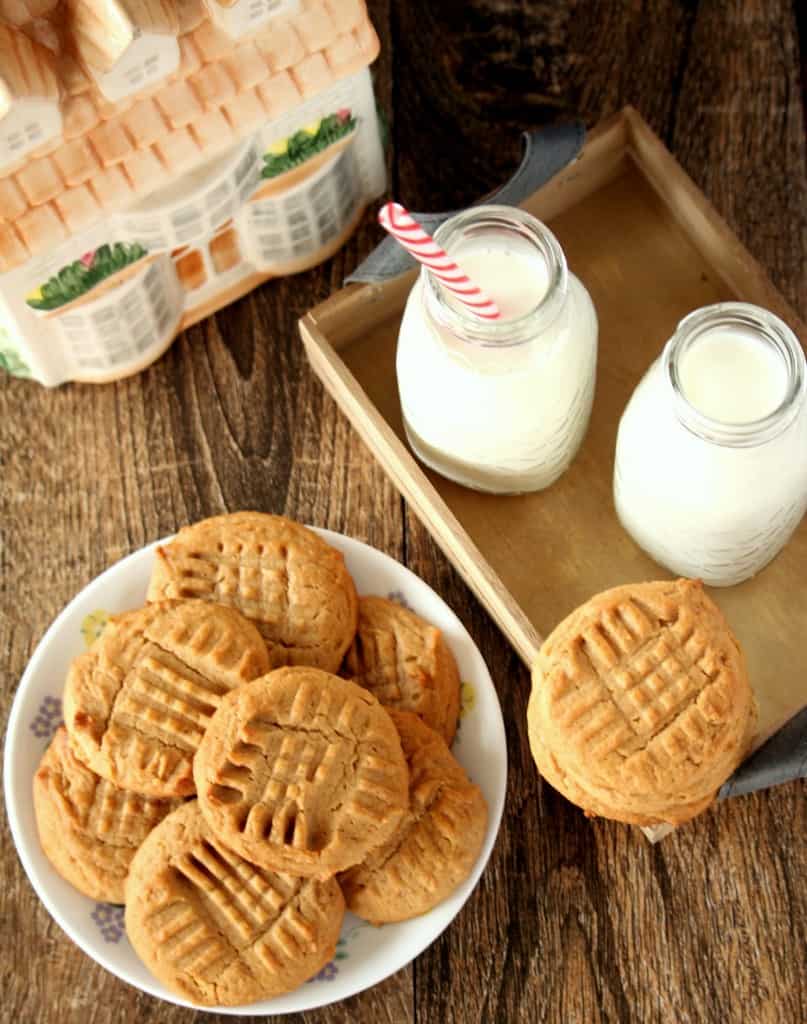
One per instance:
(405, 662)
(437, 842)
(280, 575)
(215, 928)
(302, 771)
(641, 706)
(89, 828)
(138, 701)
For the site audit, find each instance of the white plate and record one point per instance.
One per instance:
(364, 955)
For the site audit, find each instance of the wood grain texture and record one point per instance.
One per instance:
(573, 921)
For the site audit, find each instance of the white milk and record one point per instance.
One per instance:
(514, 279)
(499, 406)
(700, 483)
(733, 377)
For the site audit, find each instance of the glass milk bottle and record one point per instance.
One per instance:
(499, 405)
(711, 455)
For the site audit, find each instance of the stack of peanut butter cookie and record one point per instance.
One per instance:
(250, 753)
(641, 706)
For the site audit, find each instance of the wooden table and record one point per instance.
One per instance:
(573, 921)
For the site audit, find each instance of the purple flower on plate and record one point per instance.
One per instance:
(48, 718)
(398, 597)
(109, 919)
(328, 973)
(330, 970)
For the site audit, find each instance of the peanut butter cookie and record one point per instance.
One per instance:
(405, 662)
(641, 706)
(281, 575)
(89, 829)
(138, 701)
(220, 931)
(302, 771)
(437, 842)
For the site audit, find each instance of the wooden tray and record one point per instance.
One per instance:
(650, 248)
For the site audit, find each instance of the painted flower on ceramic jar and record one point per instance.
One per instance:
(75, 279)
(309, 140)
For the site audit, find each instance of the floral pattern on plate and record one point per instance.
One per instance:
(109, 919)
(48, 718)
(467, 699)
(93, 625)
(331, 969)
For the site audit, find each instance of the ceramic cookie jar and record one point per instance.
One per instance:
(159, 159)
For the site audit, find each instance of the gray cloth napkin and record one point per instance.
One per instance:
(545, 153)
(784, 757)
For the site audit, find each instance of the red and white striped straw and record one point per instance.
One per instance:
(403, 227)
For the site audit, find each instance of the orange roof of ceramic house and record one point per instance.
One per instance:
(109, 154)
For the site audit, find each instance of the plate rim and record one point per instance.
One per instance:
(11, 782)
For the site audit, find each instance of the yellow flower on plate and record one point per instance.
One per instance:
(278, 148)
(93, 625)
(34, 296)
(467, 699)
(312, 128)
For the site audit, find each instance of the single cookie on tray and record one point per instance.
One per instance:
(405, 662)
(89, 828)
(302, 771)
(138, 701)
(284, 577)
(437, 842)
(641, 706)
(218, 930)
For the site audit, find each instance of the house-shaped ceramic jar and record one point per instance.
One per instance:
(159, 158)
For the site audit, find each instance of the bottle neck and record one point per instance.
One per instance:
(780, 349)
(507, 234)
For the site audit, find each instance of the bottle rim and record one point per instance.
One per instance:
(497, 220)
(768, 327)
